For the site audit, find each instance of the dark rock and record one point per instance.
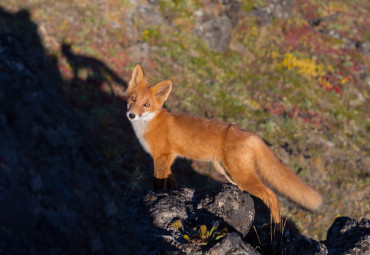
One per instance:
(154, 213)
(287, 243)
(227, 204)
(216, 32)
(294, 243)
(233, 206)
(347, 236)
(155, 240)
(232, 244)
(165, 207)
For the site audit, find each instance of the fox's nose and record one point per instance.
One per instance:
(131, 115)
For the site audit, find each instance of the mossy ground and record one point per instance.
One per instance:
(299, 89)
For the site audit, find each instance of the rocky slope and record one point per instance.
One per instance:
(56, 196)
(66, 152)
(294, 72)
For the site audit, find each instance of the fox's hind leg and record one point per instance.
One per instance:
(253, 185)
(245, 176)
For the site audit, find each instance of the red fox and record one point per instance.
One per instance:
(241, 156)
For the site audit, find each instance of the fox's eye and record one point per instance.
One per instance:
(146, 104)
(133, 98)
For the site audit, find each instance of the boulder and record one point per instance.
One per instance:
(166, 217)
(171, 223)
(347, 236)
(232, 244)
(216, 32)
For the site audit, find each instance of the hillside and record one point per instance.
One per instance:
(294, 72)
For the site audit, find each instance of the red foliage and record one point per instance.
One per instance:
(307, 9)
(304, 37)
(294, 112)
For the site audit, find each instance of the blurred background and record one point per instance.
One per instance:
(295, 72)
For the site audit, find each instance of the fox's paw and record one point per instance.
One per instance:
(168, 183)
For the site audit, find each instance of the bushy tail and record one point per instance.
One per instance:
(286, 182)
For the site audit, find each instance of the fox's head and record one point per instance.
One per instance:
(144, 101)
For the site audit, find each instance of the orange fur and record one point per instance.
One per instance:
(240, 155)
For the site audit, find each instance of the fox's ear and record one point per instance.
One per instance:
(162, 90)
(137, 78)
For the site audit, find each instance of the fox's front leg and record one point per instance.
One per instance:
(163, 178)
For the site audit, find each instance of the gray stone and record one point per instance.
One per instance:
(294, 243)
(216, 32)
(226, 206)
(231, 8)
(347, 236)
(139, 52)
(280, 9)
(164, 208)
(232, 205)
(232, 244)
(365, 48)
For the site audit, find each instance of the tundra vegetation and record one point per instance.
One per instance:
(295, 74)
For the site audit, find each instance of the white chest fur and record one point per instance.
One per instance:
(140, 127)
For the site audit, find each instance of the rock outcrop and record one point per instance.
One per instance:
(226, 206)
(216, 32)
(215, 24)
(171, 223)
(347, 236)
